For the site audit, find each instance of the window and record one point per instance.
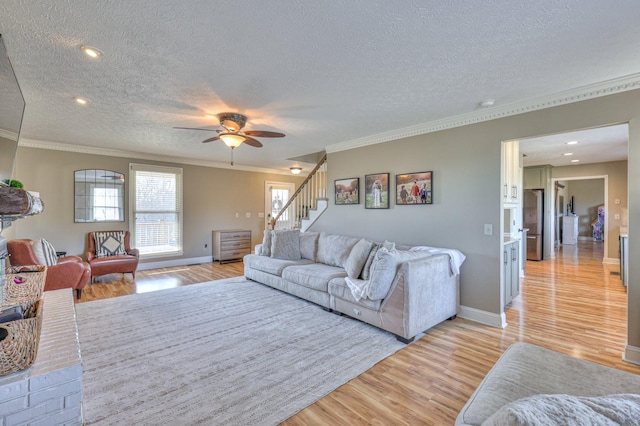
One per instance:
(106, 206)
(156, 209)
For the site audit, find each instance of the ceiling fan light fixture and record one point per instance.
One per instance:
(295, 170)
(232, 140)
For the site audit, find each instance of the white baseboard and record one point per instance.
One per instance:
(611, 261)
(483, 317)
(175, 262)
(631, 354)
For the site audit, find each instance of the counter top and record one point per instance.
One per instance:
(624, 231)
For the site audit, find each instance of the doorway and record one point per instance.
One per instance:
(276, 194)
(581, 197)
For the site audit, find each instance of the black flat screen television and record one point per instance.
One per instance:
(11, 112)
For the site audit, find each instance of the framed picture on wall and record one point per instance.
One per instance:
(347, 191)
(414, 189)
(376, 187)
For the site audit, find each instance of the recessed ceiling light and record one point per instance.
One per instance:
(81, 101)
(566, 154)
(572, 143)
(488, 103)
(91, 52)
(575, 161)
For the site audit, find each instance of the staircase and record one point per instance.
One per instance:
(308, 202)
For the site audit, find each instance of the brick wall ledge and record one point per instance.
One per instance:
(50, 391)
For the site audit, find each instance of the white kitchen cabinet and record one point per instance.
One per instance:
(570, 229)
(512, 173)
(511, 270)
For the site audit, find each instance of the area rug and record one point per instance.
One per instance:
(230, 352)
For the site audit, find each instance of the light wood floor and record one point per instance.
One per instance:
(572, 304)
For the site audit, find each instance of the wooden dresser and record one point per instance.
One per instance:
(230, 245)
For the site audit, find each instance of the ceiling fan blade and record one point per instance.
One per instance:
(215, 138)
(195, 128)
(252, 142)
(264, 134)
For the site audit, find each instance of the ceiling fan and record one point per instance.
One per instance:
(232, 123)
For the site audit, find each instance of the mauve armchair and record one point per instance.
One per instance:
(69, 272)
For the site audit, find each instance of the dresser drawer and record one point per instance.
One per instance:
(235, 244)
(228, 236)
(233, 254)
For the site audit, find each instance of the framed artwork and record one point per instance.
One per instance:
(414, 188)
(347, 191)
(376, 189)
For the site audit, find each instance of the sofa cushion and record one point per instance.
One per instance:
(335, 249)
(384, 268)
(315, 276)
(558, 409)
(109, 243)
(339, 288)
(309, 245)
(271, 265)
(44, 251)
(357, 258)
(265, 248)
(285, 244)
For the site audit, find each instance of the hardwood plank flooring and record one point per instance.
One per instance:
(572, 304)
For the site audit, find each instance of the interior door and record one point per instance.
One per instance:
(276, 195)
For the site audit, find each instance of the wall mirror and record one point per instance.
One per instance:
(99, 196)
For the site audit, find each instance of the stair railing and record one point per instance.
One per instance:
(304, 199)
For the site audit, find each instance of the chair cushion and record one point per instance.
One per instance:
(44, 251)
(339, 288)
(109, 243)
(315, 276)
(270, 265)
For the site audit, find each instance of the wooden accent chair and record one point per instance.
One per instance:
(69, 272)
(126, 262)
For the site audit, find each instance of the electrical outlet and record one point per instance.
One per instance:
(488, 229)
(616, 216)
(237, 215)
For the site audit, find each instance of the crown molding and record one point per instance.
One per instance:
(609, 87)
(56, 146)
(8, 135)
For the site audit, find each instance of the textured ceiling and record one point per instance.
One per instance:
(323, 72)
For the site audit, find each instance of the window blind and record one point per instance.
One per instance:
(156, 211)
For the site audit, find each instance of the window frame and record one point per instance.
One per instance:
(178, 172)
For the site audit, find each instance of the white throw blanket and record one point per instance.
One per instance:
(569, 410)
(455, 256)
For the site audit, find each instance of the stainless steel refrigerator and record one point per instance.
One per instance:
(533, 219)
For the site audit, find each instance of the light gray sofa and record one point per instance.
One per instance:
(534, 385)
(403, 290)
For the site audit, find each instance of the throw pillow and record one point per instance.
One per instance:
(309, 245)
(286, 244)
(366, 270)
(109, 243)
(265, 250)
(357, 258)
(44, 251)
